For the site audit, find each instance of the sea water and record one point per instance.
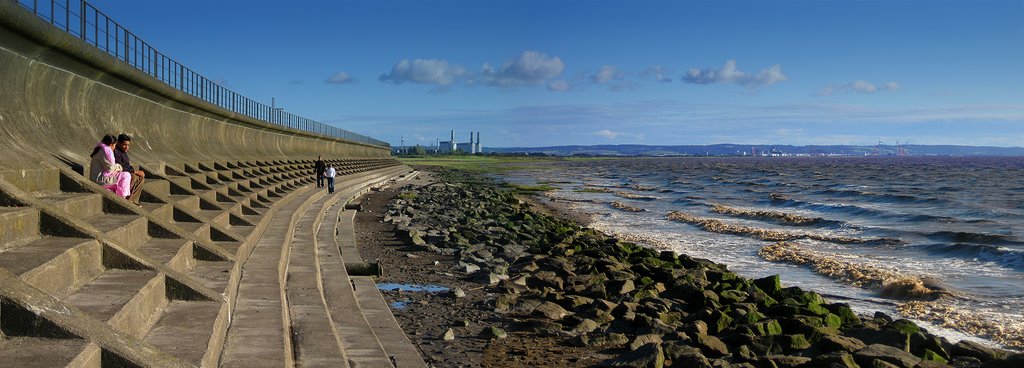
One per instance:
(957, 223)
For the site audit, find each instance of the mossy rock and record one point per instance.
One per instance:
(933, 356)
(771, 285)
(816, 309)
(792, 342)
(833, 321)
(719, 322)
(845, 314)
(904, 326)
(753, 317)
(769, 327)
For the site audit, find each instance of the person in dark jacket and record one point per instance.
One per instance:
(320, 167)
(124, 143)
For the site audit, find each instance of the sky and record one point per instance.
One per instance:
(538, 73)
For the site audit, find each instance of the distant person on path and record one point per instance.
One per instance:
(330, 178)
(105, 171)
(319, 167)
(124, 143)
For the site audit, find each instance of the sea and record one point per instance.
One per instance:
(937, 240)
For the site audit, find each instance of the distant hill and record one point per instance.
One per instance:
(739, 149)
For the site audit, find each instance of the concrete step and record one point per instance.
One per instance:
(54, 264)
(202, 230)
(157, 186)
(185, 202)
(18, 225)
(390, 334)
(184, 329)
(127, 230)
(217, 216)
(212, 274)
(111, 292)
(166, 250)
(80, 205)
(159, 211)
(39, 352)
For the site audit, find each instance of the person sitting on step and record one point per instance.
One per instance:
(105, 171)
(124, 143)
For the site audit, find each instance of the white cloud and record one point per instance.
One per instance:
(530, 68)
(607, 74)
(658, 72)
(424, 71)
(858, 86)
(729, 74)
(559, 86)
(340, 78)
(611, 135)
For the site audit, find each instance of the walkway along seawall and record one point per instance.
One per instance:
(88, 279)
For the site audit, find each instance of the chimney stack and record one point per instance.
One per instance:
(478, 149)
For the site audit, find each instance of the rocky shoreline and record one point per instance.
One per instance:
(548, 278)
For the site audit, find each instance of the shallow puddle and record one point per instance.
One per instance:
(390, 286)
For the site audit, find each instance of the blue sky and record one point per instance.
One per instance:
(537, 73)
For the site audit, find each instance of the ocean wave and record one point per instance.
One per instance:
(877, 197)
(1005, 257)
(593, 189)
(889, 283)
(780, 217)
(1008, 331)
(625, 207)
(629, 195)
(718, 226)
(971, 237)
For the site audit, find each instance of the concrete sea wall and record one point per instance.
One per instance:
(59, 95)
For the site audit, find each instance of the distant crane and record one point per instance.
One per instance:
(904, 150)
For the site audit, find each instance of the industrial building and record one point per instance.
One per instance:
(471, 147)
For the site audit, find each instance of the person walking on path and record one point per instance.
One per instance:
(124, 143)
(330, 178)
(104, 171)
(319, 167)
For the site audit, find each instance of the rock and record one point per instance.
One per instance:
(718, 322)
(884, 336)
(458, 293)
(848, 317)
(448, 335)
(784, 360)
(489, 278)
(493, 332)
(620, 287)
(711, 345)
(585, 326)
(504, 303)
(839, 359)
(904, 326)
(885, 353)
(644, 340)
(834, 343)
(767, 328)
(792, 343)
(933, 356)
(973, 349)
(697, 327)
(609, 340)
(647, 356)
(551, 311)
(544, 325)
(934, 364)
(1012, 361)
(771, 285)
(683, 355)
(744, 354)
(466, 268)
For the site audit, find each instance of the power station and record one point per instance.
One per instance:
(471, 147)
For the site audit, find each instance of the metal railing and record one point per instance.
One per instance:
(84, 21)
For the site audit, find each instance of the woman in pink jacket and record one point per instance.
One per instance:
(105, 172)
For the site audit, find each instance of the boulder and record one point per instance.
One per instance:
(839, 359)
(973, 349)
(682, 355)
(585, 326)
(835, 343)
(493, 332)
(888, 354)
(783, 360)
(644, 340)
(711, 345)
(647, 356)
